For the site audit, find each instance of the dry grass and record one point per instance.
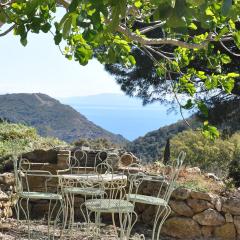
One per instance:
(190, 178)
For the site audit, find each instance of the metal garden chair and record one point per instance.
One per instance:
(113, 202)
(77, 164)
(23, 174)
(161, 200)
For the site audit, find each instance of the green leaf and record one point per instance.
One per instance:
(223, 31)
(46, 27)
(232, 24)
(160, 71)
(225, 59)
(73, 5)
(67, 27)
(209, 12)
(188, 105)
(138, 4)
(23, 41)
(236, 37)
(203, 108)
(227, 4)
(210, 132)
(211, 82)
(58, 38)
(193, 26)
(227, 84)
(132, 59)
(233, 75)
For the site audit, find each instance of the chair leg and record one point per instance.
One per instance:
(28, 219)
(62, 206)
(168, 211)
(164, 213)
(65, 210)
(16, 207)
(50, 213)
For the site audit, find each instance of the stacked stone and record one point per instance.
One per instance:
(6, 196)
(198, 215)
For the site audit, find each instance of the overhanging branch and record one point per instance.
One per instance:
(159, 41)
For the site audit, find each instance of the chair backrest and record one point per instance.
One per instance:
(85, 162)
(113, 184)
(136, 175)
(24, 175)
(170, 183)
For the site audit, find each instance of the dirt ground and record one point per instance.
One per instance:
(11, 230)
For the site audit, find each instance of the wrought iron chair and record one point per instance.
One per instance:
(113, 201)
(23, 174)
(161, 200)
(78, 164)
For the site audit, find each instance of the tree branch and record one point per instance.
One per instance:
(150, 28)
(228, 50)
(8, 30)
(158, 41)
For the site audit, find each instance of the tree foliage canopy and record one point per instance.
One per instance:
(184, 51)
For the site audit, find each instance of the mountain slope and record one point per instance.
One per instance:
(150, 147)
(51, 118)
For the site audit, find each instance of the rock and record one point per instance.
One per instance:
(7, 179)
(193, 170)
(181, 208)
(207, 231)
(42, 156)
(3, 196)
(127, 159)
(5, 226)
(199, 205)
(63, 159)
(209, 217)
(225, 232)
(181, 193)
(228, 218)
(212, 176)
(204, 196)
(232, 205)
(218, 204)
(181, 227)
(149, 214)
(236, 221)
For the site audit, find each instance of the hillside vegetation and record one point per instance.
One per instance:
(150, 147)
(51, 118)
(208, 155)
(18, 138)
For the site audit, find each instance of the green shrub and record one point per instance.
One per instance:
(204, 153)
(234, 166)
(16, 139)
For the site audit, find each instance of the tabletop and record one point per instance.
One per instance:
(95, 177)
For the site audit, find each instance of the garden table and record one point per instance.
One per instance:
(93, 177)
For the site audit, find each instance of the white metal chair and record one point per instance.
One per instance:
(78, 164)
(23, 174)
(113, 201)
(166, 188)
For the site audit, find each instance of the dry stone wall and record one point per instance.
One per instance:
(197, 215)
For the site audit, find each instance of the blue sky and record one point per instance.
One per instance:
(40, 67)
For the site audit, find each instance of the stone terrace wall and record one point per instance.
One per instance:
(196, 215)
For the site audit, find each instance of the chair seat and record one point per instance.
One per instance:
(146, 199)
(84, 191)
(41, 195)
(109, 205)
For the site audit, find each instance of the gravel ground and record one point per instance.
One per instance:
(10, 230)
